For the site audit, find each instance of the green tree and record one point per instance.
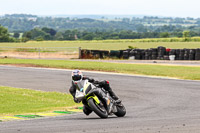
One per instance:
(186, 35)
(24, 39)
(4, 35)
(59, 36)
(35, 33)
(51, 31)
(39, 38)
(164, 35)
(27, 35)
(88, 37)
(69, 35)
(16, 35)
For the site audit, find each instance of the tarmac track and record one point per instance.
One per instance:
(154, 105)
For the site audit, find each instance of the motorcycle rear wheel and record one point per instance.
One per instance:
(100, 111)
(121, 111)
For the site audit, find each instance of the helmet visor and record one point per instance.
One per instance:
(77, 77)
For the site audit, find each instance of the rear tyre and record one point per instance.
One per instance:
(100, 111)
(121, 111)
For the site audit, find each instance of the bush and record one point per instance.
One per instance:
(40, 38)
(24, 39)
(131, 47)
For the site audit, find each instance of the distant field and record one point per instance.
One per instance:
(104, 45)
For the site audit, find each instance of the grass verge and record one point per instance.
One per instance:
(17, 101)
(181, 72)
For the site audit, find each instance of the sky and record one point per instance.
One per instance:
(167, 8)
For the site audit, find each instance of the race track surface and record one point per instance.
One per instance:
(153, 105)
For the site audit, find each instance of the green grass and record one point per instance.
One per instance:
(19, 101)
(104, 45)
(181, 72)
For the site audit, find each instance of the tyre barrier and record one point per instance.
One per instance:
(160, 53)
(94, 54)
(115, 53)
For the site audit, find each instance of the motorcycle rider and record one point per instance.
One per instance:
(77, 76)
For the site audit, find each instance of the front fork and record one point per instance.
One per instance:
(95, 99)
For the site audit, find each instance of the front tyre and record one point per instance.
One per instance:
(100, 111)
(121, 111)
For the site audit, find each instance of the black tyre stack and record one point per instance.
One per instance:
(181, 55)
(125, 54)
(197, 54)
(132, 53)
(86, 54)
(186, 54)
(172, 52)
(138, 54)
(154, 53)
(95, 54)
(115, 54)
(142, 54)
(83, 54)
(177, 54)
(148, 54)
(104, 54)
(161, 53)
(192, 54)
(121, 53)
(166, 57)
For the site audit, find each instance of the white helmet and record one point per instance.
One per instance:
(77, 75)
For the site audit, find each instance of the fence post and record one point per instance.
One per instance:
(79, 53)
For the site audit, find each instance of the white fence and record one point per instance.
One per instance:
(41, 53)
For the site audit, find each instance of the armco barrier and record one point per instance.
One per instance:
(160, 53)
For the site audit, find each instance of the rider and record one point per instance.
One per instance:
(77, 76)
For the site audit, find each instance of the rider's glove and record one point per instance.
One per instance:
(102, 83)
(92, 80)
(96, 82)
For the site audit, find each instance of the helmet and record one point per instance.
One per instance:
(77, 75)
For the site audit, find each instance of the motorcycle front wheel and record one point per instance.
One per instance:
(100, 111)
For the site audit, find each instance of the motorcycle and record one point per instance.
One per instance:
(98, 100)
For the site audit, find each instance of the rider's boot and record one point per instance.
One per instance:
(112, 94)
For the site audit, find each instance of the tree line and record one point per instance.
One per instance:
(51, 34)
(31, 27)
(24, 22)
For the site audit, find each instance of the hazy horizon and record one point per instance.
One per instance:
(109, 16)
(139, 15)
(166, 8)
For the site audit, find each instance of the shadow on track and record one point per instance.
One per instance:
(92, 118)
